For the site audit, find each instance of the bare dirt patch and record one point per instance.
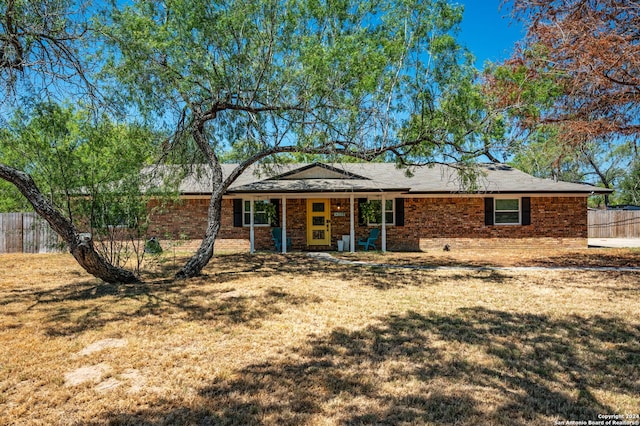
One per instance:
(91, 373)
(101, 345)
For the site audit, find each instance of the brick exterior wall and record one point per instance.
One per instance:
(429, 223)
(459, 222)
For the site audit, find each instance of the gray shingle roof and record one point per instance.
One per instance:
(378, 177)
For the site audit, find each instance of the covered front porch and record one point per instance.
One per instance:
(314, 221)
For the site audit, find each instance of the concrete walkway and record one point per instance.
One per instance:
(614, 242)
(327, 257)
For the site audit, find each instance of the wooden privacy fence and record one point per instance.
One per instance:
(26, 233)
(614, 223)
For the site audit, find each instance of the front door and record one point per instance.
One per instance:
(318, 223)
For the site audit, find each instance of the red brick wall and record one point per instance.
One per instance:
(429, 223)
(442, 219)
(433, 222)
(185, 219)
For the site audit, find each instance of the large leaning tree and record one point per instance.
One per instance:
(576, 75)
(40, 52)
(343, 78)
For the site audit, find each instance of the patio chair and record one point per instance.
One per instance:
(370, 241)
(276, 236)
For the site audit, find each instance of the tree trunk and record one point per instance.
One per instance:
(199, 260)
(80, 244)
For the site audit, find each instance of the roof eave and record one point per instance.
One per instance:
(310, 191)
(598, 191)
(407, 191)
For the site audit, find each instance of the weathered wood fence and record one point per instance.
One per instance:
(614, 223)
(26, 233)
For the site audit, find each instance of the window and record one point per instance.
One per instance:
(507, 211)
(260, 215)
(377, 212)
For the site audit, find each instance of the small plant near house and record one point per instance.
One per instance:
(119, 228)
(153, 246)
(173, 248)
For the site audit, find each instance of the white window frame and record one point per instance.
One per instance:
(496, 211)
(246, 214)
(392, 211)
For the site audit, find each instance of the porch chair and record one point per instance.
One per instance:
(370, 241)
(276, 236)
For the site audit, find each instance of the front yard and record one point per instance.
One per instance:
(273, 339)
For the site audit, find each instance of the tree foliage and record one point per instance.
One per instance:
(580, 62)
(44, 55)
(630, 186)
(337, 78)
(89, 171)
(41, 49)
(570, 91)
(300, 75)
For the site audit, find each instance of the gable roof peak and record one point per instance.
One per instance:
(317, 171)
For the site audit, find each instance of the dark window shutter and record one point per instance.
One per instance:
(361, 221)
(237, 213)
(488, 211)
(526, 210)
(276, 220)
(399, 211)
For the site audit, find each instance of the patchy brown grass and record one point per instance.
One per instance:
(273, 339)
(591, 257)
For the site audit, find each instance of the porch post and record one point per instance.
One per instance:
(251, 230)
(352, 229)
(384, 224)
(284, 224)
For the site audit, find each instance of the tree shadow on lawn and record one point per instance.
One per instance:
(626, 259)
(222, 265)
(559, 258)
(414, 368)
(233, 267)
(78, 307)
(225, 269)
(383, 278)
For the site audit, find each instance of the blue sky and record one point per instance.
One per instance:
(487, 31)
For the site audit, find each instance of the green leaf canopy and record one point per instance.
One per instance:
(339, 74)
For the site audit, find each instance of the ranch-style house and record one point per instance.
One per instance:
(320, 206)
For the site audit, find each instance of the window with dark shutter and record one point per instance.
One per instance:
(237, 213)
(399, 211)
(511, 211)
(526, 210)
(260, 215)
(488, 211)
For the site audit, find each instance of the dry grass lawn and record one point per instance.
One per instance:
(275, 340)
(592, 257)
